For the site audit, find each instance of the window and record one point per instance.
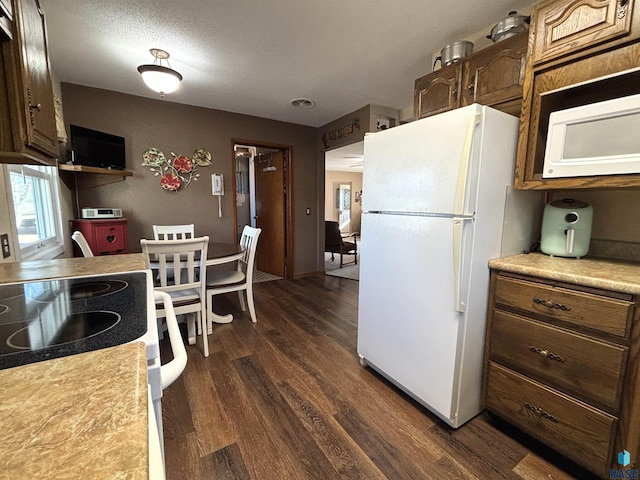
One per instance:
(36, 208)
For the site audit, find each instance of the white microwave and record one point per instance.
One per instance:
(597, 139)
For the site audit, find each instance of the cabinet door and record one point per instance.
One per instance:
(582, 310)
(37, 93)
(6, 19)
(565, 26)
(576, 429)
(437, 92)
(495, 75)
(584, 366)
(110, 238)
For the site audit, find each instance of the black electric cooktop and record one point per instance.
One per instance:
(54, 318)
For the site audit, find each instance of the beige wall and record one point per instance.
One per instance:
(331, 182)
(181, 129)
(616, 221)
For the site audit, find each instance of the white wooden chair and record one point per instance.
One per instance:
(178, 264)
(173, 232)
(80, 239)
(239, 280)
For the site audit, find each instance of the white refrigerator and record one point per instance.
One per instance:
(436, 195)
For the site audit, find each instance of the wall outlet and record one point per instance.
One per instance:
(4, 241)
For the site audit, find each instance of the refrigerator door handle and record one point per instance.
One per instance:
(458, 240)
(461, 186)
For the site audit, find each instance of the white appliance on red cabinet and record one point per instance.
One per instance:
(436, 196)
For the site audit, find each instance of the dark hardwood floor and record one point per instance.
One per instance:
(287, 399)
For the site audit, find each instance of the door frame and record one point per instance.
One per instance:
(288, 214)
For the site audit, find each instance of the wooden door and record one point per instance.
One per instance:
(38, 94)
(437, 92)
(565, 26)
(270, 204)
(495, 75)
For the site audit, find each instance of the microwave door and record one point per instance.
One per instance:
(595, 139)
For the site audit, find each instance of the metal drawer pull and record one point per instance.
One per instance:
(551, 304)
(546, 354)
(622, 8)
(541, 412)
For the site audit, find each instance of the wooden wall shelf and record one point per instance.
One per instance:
(81, 177)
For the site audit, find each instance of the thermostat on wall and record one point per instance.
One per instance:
(101, 212)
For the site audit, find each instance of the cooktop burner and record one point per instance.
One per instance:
(54, 318)
(76, 326)
(88, 290)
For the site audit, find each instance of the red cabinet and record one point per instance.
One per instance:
(105, 237)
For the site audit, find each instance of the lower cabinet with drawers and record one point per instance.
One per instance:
(561, 364)
(105, 237)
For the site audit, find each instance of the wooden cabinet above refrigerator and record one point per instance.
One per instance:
(492, 76)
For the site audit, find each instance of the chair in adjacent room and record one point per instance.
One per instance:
(80, 239)
(181, 272)
(173, 232)
(239, 280)
(334, 243)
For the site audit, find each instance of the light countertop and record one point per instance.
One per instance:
(612, 275)
(70, 267)
(82, 416)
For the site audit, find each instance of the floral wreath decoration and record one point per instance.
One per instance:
(177, 171)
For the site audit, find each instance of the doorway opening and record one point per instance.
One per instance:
(263, 183)
(343, 194)
(343, 186)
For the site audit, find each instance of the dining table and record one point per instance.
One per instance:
(218, 253)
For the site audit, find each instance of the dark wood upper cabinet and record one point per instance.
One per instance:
(437, 92)
(27, 117)
(492, 76)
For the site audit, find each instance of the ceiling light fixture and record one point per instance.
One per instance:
(158, 77)
(303, 102)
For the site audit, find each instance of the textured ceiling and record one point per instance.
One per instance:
(254, 56)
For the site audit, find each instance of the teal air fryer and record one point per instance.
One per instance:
(566, 228)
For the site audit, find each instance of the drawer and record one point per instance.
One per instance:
(586, 367)
(110, 239)
(571, 427)
(587, 310)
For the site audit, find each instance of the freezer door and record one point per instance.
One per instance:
(423, 166)
(408, 326)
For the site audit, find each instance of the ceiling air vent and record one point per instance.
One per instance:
(303, 102)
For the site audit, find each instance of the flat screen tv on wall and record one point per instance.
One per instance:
(96, 149)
